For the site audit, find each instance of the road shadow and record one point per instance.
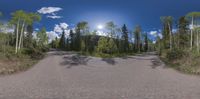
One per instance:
(110, 61)
(74, 60)
(59, 53)
(140, 56)
(156, 62)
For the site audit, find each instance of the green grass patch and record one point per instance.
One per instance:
(13, 63)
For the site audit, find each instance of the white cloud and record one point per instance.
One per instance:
(101, 33)
(36, 29)
(160, 35)
(54, 16)
(153, 33)
(34, 34)
(132, 39)
(58, 29)
(49, 10)
(64, 25)
(154, 42)
(174, 30)
(52, 35)
(6, 29)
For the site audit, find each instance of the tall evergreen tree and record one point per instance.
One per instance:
(146, 42)
(84, 31)
(78, 39)
(167, 31)
(137, 36)
(125, 38)
(71, 34)
(183, 36)
(62, 43)
(29, 37)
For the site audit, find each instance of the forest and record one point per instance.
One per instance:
(179, 49)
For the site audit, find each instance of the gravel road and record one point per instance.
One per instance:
(65, 75)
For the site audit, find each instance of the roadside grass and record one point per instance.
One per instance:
(13, 63)
(188, 62)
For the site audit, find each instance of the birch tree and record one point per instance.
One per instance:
(192, 16)
(21, 19)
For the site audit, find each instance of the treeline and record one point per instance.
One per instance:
(21, 41)
(117, 41)
(180, 41)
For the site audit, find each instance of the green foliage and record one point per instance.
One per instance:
(62, 42)
(166, 31)
(42, 38)
(72, 44)
(112, 47)
(125, 39)
(83, 46)
(1, 14)
(103, 45)
(77, 40)
(111, 27)
(175, 54)
(137, 34)
(193, 14)
(182, 35)
(146, 42)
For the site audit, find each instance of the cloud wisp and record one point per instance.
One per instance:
(50, 12)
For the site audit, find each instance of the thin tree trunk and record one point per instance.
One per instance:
(17, 37)
(197, 42)
(21, 35)
(178, 45)
(191, 40)
(170, 37)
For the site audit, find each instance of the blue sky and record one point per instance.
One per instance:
(131, 12)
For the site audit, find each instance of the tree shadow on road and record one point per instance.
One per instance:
(156, 62)
(74, 60)
(110, 61)
(59, 53)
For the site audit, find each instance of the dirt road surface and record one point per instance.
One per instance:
(65, 75)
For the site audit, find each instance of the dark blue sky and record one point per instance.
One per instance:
(131, 12)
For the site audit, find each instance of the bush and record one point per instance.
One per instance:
(34, 53)
(175, 54)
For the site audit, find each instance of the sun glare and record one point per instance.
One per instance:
(100, 26)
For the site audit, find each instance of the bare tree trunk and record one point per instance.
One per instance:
(21, 35)
(178, 39)
(197, 42)
(170, 37)
(17, 37)
(191, 40)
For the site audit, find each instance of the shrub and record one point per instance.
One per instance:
(175, 54)
(34, 53)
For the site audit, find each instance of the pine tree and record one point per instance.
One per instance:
(137, 42)
(62, 43)
(78, 40)
(183, 36)
(125, 39)
(71, 34)
(146, 43)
